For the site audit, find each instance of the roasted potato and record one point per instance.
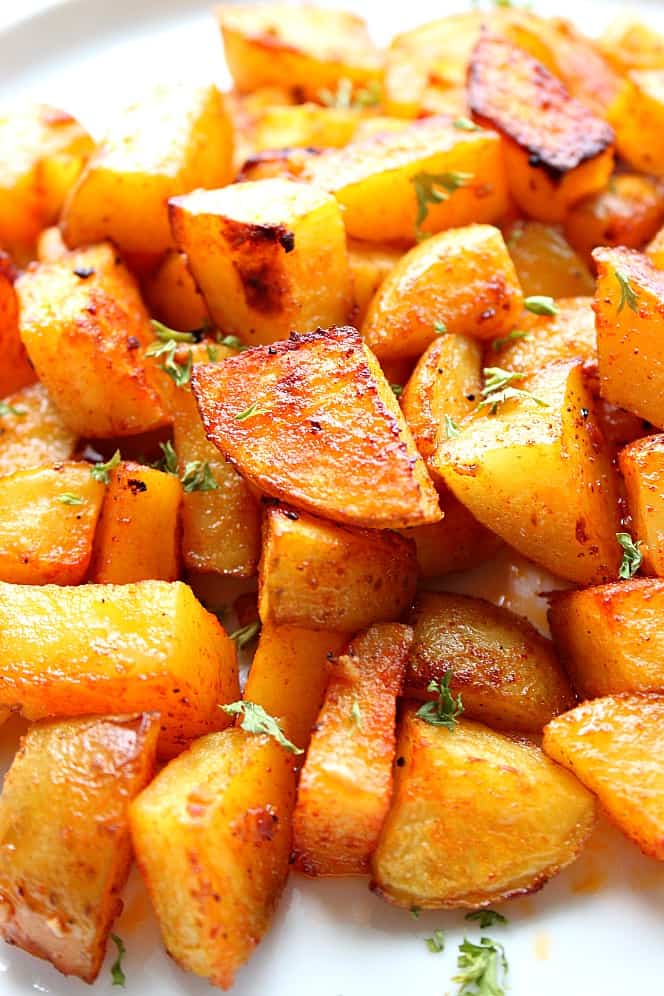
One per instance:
(369, 265)
(173, 297)
(545, 262)
(65, 847)
(543, 339)
(305, 125)
(642, 467)
(346, 782)
(628, 213)
(507, 674)
(257, 250)
(212, 836)
(614, 746)
(313, 421)
(16, 370)
(609, 638)
(629, 43)
(81, 651)
(50, 245)
(457, 542)
(48, 517)
(642, 113)
(556, 149)
(655, 250)
(476, 817)
(32, 432)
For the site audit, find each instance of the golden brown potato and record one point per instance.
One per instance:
(384, 184)
(642, 467)
(138, 536)
(307, 49)
(173, 297)
(321, 575)
(507, 674)
(655, 250)
(627, 213)
(65, 848)
(289, 674)
(48, 517)
(538, 473)
(629, 302)
(312, 421)
(628, 43)
(176, 138)
(346, 782)
(642, 113)
(84, 315)
(212, 836)
(50, 245)
(545, 262)
(502, 821)
(305, 125)
(457, 542)
(150, 645)
(556, 150)
(615, 747)
(15, 368)
(257, 251)
(543, 339)
(610, 638)
(369, 265)
(32, 432)
(463, 280)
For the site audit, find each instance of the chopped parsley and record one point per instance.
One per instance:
(397, 390)
(345, 98)
(256, 720)
(451, 428)
(540, 304)
(436, 943)
(434, 188)
(245, 634)
(498, 344)
(212, 351)
(168, 462)
(446, 709)
(102, 471)
(179, 370)
(198, 476)
(164, 334)
(440, 328)
(486, 918)
(632, 557)
(117, 973)
(6, 409)
(465, 124)
(253, 409)
(232, 342)
(356, 714)
(415, 912)
(482, 968)
(67, 498)
(498, 389)
(627, 294)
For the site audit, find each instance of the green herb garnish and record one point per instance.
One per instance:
(253, 409)
(397, 390)
(482, 968)
(440, 328)
(117, 973)
(6, 409)
(356, 714)
(178, 370)
(168, 462)
(498, 344)
(486, 918)
(446, 709)
(627, 295)
(164, 334)
(451, 428)
(465, 124)
(434, 188)
(436, 943)
(245, 634)
(256, 720)
(345, 98)
(102, 471)
(498, 389)
(198, 476)
(67, 498)
(233, 342)
(632, 557)
(540, 304)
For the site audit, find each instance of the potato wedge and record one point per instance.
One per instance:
(84, 313)
(458, 542)
(534, 818)
(539, 474)
(507, 674)
(173, 297)
(346, 782)
(65, 848)
(15, 368)
(614, 746)
(609, 638)
(313, 421)
(642, 113)
(305, 125)
(556, 149)
(176, 138)
(545, 262)
(463, 280)
(642, 467)
(81, 651)
(138, 536)
(628, 213)
(321, 575)
(32, 432)
(257, 250)
(568, 335)
(212, 836)
(48, 517)
(369, 265)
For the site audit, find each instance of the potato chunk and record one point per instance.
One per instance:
(83, 315)
(556, 150)
(615, 746)
(65, 848)
(642, 467)
(176, 138)
(545, 262)
(138, 536)
(212, 836)
(610, 638)
(32, 432)
(173, 297)
(569, 334)
(346, 782)
(47, 524)
(306, 126)
(507, 674)
(15, 368)
(369, 265)
(313, 421)
(629, 302)
(377, 180)
(628, 213)
(257, 251)
(80, 651)
(457, 542)
(476, 817)
(629, 43)
(463, 279)
(325, 576)
(643, 114)
(539, 475)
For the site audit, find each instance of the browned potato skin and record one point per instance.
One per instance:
(545, 262)
(64, 834)
(628, 213)
(346, 782)
(35, 437)
(321, 575)
(336, 446)
(508, 675)
(642, 467)
(534, 818)
(614, 746)
(212, 836)
(16, 371)
(557, 150)
(609, 638)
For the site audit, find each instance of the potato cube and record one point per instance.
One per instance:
(325, 576)
(568, 335)
(212, 836)
(369, 265)
(615, 746)
(457, 542)
(32, 432)
(173, 297)
(65, 847)
(313, 421)
(48, 517)
(610, 638)
(476, 817)
(556, 149)
(257, 251)
(15, 368)
(176, 138)
(150, 645)
(629, 301)
(642, 467)
(306, 126)
(84, 315)
(643, 114)
(138, 536)
(545, 262)
(627, 213)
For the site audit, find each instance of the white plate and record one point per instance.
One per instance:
(596, 930)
